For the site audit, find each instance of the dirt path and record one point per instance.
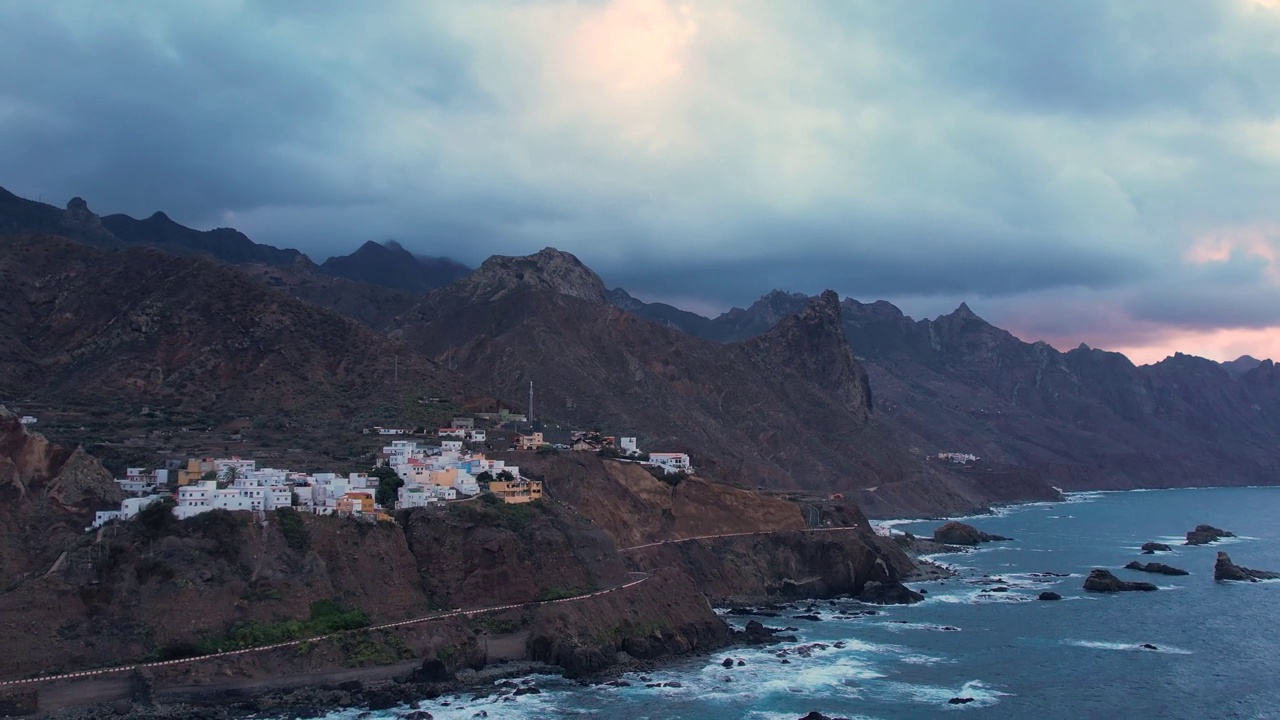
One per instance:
(742, 534)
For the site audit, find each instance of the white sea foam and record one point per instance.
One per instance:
(1126, 647)
(982, 695)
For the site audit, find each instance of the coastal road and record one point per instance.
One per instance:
(742, 534)
(633, 579)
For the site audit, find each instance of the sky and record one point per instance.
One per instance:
(1094, 171)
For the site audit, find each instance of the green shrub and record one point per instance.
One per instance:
(295, 532)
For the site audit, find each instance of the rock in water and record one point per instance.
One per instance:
(1225, 570)
(1103, 581)
(958, 533)
(960, 701)
(1160, 568)
(1205, 534)
(889, 592)
(1049, 595)
(1154, 547)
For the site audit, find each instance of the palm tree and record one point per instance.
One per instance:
(230, 474)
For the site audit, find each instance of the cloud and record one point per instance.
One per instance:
(1009, 153)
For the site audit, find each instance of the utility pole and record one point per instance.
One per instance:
(530, 403)
(396, 377)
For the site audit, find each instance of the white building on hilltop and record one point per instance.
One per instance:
(672, 462)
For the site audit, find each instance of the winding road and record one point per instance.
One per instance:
(634, 579)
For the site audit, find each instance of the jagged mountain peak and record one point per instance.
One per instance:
(1242, 364)
(813, 340)
(547, 269)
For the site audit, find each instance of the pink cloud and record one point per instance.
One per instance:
(1258, 241)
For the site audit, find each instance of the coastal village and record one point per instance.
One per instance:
(448, 467)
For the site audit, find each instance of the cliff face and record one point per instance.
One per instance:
(477, 553)
(664, 616)
(779, 567)
(158, 587)
(635, 508)
(48, 494)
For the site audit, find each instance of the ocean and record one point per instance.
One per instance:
(1215, 644)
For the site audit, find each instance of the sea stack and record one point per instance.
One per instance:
(1104, 582)
(958, 533)
(1226, 571)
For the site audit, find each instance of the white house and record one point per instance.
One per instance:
(411, 496)
(475, 436)
(451, 446)
(628, 446)
(128, 509)
(672, 462)
(457, 433)
(27, 420)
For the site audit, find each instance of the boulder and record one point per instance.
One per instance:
(1205, 534)
(758, 634)
(889, 592)
(1155, 547)
(432, 670)
(960, 701)
(1160, 568)
(1225, 570)
(1048, 595)
(958, 533)
(1103, 581)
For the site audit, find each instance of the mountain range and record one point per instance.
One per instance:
(794, 393)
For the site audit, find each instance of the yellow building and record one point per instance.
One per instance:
(443, 478)
(355, 503)
(194, 472)
(517, 491)
(531, 442)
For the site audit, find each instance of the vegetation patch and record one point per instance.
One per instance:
(295, 532)
(326, 617)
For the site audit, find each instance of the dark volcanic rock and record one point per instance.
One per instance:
(1160, 568)
(958, 533)
(1049, 595)
(433, 670)
(1153, 547)
(1205, 534)
(960, 701)
(1225, 570)
(888, 593)
(1103, 581)
(758, 634)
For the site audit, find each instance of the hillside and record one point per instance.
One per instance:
(390, 265)
(134, 332)
(48, 494)
(789, 409)
(1085, 418)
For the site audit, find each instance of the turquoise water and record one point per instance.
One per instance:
(1016, 656)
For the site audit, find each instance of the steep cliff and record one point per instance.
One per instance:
(635, 508)
(48, 494)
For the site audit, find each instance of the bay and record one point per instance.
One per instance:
(1015, 656)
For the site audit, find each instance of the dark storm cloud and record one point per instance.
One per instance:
(1006, 151)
